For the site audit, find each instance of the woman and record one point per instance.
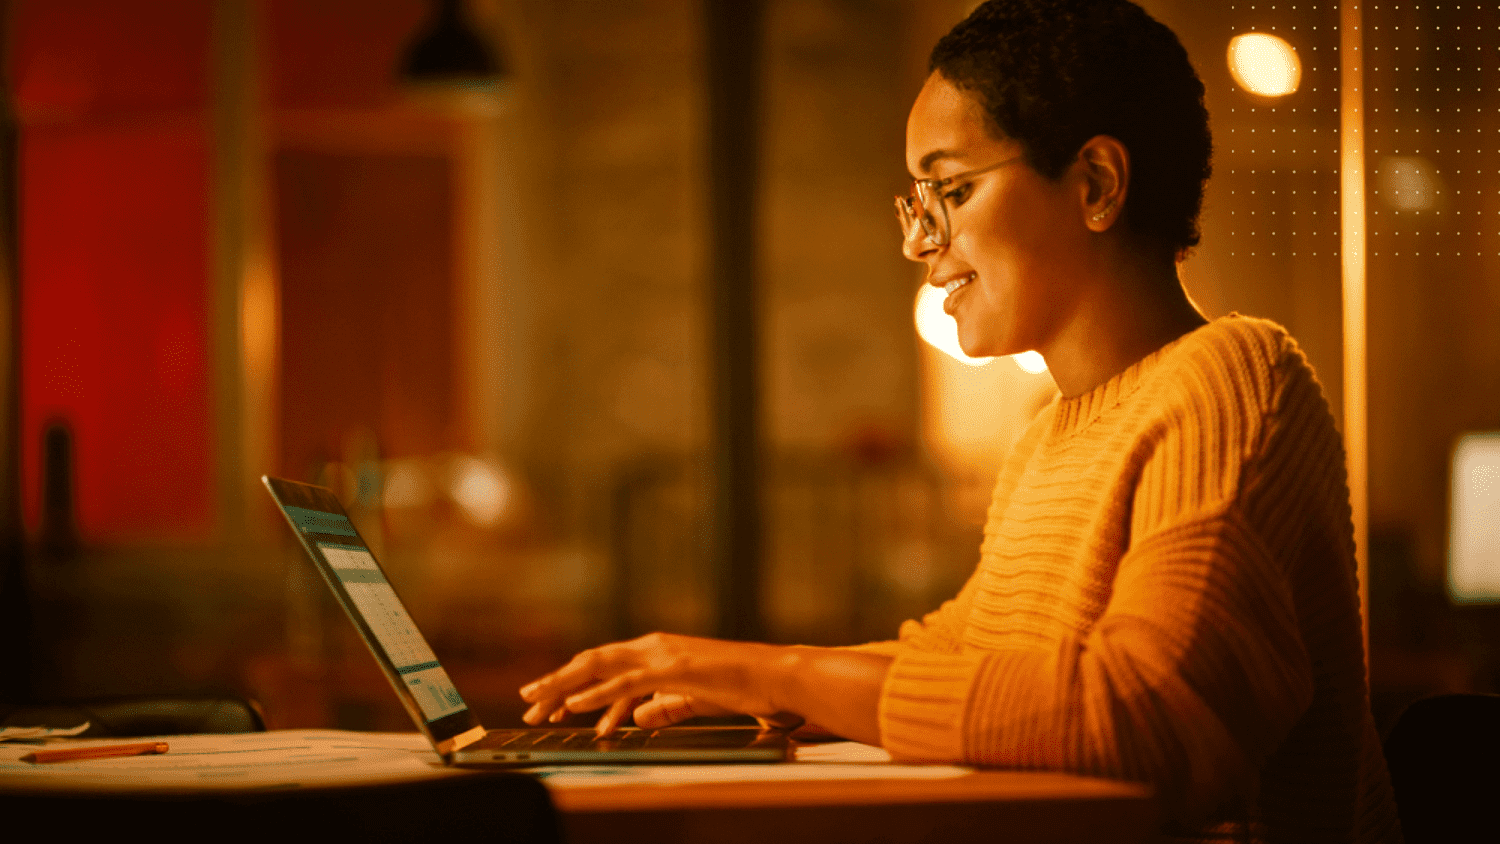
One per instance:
(1166, 590)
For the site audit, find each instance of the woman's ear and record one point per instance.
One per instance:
(1106, 172)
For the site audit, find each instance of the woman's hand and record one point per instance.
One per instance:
(666, 679)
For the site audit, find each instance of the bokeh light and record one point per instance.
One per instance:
(1031, 362)
(1264, 64)
(939, 329)
(941, 332)
(1474, 512)
(1409, 183)
(481, 489)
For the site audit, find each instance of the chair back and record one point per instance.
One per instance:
(1444, 758)
(141, 716)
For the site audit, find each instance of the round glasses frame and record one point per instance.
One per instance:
(917, 209)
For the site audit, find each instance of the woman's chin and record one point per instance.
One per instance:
(978, 348)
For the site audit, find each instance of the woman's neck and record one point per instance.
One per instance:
(1131, 312)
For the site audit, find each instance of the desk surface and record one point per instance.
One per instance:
(1012, 806)
(825, 802)
(975, 787)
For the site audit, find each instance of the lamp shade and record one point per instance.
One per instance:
(448, 50)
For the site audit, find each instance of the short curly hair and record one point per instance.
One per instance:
(1051, 74)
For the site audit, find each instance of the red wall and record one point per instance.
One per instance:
(113, 100)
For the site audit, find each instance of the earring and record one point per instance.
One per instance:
(1105, 212)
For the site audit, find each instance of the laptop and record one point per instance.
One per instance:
(427, 692)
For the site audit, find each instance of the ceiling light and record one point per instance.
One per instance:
(1264, 64)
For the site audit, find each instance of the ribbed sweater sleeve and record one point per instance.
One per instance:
(1190, 679)
(1164, 595)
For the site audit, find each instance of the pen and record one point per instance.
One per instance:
(72, 754)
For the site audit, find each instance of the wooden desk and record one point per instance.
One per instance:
(325, 784)
(984, 806)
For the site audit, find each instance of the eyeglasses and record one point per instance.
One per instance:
(927, 206)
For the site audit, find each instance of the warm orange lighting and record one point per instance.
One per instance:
(1352, 257)
(941, 332)
(481, 489)
(406, 485)
(258, 321)
(939, 329)
(1409, 183)
(1264, 64)
(1031, 362)
(973, 415)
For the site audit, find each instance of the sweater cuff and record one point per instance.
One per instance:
(923, 703)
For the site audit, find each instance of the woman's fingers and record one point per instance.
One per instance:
(590, 680)
(631, 684)
(610, 720)
(590, 667)
(544, 710)
(580, 671)
(664, 710)
(706, 677)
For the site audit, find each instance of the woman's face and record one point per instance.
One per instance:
(1017, 239)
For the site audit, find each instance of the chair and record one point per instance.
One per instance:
(140, 716)
(1444, 758)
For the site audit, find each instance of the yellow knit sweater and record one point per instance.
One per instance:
(1166, 593)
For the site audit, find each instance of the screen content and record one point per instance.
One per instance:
(398, 637)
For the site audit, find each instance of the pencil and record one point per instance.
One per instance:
(73, 754)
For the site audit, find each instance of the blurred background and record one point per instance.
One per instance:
(594, 315)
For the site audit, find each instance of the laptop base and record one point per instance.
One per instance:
(573, 746)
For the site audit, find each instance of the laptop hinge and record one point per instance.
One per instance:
(460, 741)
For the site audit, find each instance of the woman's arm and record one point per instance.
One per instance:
(836, 688)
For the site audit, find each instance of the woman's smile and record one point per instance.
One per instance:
(952, 287)
(1013, 242)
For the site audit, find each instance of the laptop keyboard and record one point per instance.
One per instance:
(564, 739)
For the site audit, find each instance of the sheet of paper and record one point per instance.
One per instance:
(271, 760)
(37, 733)
(286, 759)
(842, 751)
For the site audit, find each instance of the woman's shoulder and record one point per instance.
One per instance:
(1223, 400)
(1241, 361)
(1255, 345)
(1230, 381)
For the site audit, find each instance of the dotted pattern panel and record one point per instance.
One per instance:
(1278, 158)
(1432, 121)
(1432, 129)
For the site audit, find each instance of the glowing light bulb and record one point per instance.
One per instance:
(937, 328)
(481, 489)
(1030, 362)
(1264, 64)
(941, 332)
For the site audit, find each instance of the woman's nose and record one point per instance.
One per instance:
(917, 246)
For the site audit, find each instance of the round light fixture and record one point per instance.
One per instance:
(1264, 64)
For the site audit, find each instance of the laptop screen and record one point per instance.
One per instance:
(335, 546)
